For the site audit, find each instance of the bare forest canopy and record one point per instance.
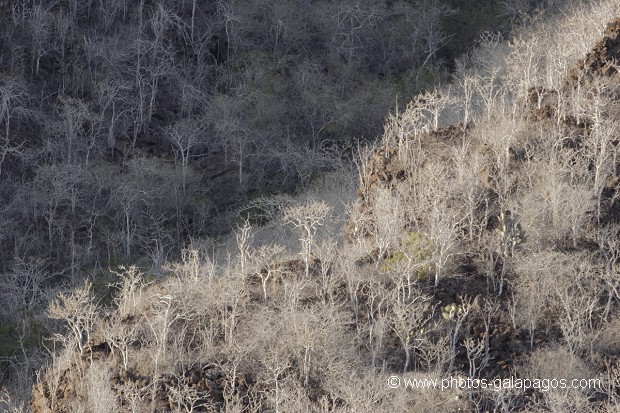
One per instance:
(274, 206)
(133, 125)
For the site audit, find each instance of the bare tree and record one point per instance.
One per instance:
(435, 103)
(467, 164)
(555, 289)
(609, 244)
(443, 230)
(110, 11)
(580, 304)
(378, 313)
(265, 257)
(57, 190)
(388, 222)
(226, 13)
(167, 315)
(510, 235)
(133, 396)
(524, 64)
(113, 96)
(132, 196)
(487, 83)
(25, 284)
(184, 396)
(466, 85)
(78, 127)
(307, 218)
(599, 142)
(13, 104)
(101, 397)
(79, 311)
(120, 336)
(276, 365)
(456, 314)
(227, 117)
(184, 136)
(244, 239)
(39, 20)
(409, 317)
(434, 38)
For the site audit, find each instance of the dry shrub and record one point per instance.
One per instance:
(101, 398)
(608, 338)
(558, 363)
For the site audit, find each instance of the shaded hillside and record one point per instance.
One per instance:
(131, 127)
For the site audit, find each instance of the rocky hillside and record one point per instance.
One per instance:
(483, 244)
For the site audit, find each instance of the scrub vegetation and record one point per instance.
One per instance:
(251, 206)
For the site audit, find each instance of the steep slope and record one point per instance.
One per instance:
(483, 245)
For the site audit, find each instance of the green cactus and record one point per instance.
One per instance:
(451, 310)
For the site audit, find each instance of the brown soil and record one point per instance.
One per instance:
(602, 60)
(385, 170)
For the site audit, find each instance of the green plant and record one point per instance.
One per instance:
(414, 252)
(451, 310)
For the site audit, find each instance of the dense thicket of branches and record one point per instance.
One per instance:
(246, 95)
(482, 242)
(130, 127)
